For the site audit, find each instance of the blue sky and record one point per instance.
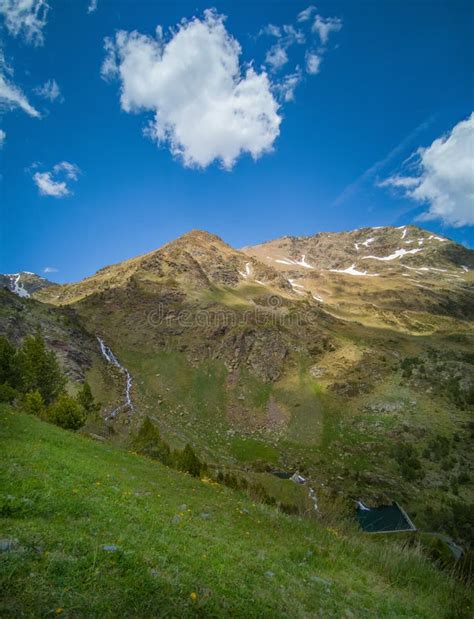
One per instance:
(392, 77)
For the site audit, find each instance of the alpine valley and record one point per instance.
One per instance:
(347, 357)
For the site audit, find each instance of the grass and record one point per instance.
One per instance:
(99, 531)
(250, 450)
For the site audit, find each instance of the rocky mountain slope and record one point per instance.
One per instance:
(348, 356)
(24, 284)
(393, 276)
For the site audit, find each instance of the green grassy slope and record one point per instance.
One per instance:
(180, 547)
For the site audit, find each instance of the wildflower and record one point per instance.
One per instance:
(59, 611)
(194, 596)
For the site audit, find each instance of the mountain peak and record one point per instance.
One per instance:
(198, 236)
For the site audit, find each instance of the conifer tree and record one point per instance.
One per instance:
(189, 462)
(40, 369)
(85, 399)
(9, 374)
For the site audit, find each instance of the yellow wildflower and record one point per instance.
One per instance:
(194, 596)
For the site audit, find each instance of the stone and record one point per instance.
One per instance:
(7, 545)
(110, 548)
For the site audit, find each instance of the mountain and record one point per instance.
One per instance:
(403, 277)
(344, 355)
(24, 284)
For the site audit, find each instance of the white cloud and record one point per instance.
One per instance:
(92, 6)
(204, 108)
(26, 18)
(288, 35)
(50, 270)
(54, 183)
(3, 137)
(293, 35)
(323, 26)
(445, 177)
(286, 88)
(313, 63)
(11, 95)
(50, 90)
(276, 57)
(398, 181)
(305, 15)
(271, 30)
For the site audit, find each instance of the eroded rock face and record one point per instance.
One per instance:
(267, 356)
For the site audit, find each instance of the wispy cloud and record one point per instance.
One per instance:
(92, 6)
(306, 14)
(442, 177)
(25, 18)
(11, 95)
(371, 172)
(323, 26)
(55, 182)
(50, 91)
(311, 30)
(50, 270)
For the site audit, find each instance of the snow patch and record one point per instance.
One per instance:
(399, 253)
(301, 262)
(296, 286)
(368, 242)
(248, 271)
(353, 271)
(286, 261)
(16, 285)
(304, 264)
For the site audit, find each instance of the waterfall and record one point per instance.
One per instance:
(112, 359)
(313, 498)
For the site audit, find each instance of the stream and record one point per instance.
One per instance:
(112, 359)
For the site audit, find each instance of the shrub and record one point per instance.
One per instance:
(40, 369)
(33, 404)
(66, 413)
(148, 441)
(408, 364)
(7, 393)
(9, 373)
(188, 462)
(85, 399)
(409, 462)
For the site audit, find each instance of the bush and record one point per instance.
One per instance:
(188, 462)
(66, 413)
(408, 364)
(7, 393)
(40, 369)
(408, 462)
(85, 399)
(33, 404)
(9, 373)
(148, 441)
